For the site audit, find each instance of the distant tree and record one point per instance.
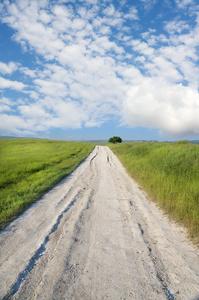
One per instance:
(115, 140)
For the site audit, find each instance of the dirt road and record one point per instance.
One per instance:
(96, 236)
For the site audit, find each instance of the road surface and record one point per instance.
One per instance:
(96, 236)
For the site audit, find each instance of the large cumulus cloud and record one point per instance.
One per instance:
(173, 109)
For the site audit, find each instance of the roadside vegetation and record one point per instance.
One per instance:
(169, 172)
(31, 167)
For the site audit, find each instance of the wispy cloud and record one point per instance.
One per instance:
(148, 4)
(9, 84)
(176, 26)
(184, 3)
(8, 68)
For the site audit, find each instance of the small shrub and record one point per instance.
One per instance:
(115, 140)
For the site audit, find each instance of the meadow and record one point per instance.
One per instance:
(169, 172)
(31, 167)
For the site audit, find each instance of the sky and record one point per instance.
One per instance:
(89, 70)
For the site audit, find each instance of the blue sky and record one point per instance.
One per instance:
(84, 70)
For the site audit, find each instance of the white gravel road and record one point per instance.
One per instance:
(96, 236)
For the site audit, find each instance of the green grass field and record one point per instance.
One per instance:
(31, 167)
(169, 172)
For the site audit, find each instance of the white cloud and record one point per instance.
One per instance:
(143, 48)
(4, 107)
(183, 57)
(131, 75)
(132, 13)
(110, 11)
(11, 124)
(9, 84)
(173, 58)
(8, 68)
(184, 3)
(148, 4)
(72, 56)
(33, 95)
(41, 116)
(163, 68)
(51, 88)
(45, 17)
(6, 101)
(28, 72)
(68, 115)
(33, 111)
(176, 26)
(174, 109)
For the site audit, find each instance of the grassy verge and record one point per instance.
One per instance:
(29, 168)
(170, 175)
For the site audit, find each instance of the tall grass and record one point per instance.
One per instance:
(31, 167)
(170, 175)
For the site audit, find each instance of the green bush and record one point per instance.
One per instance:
(115, 140)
